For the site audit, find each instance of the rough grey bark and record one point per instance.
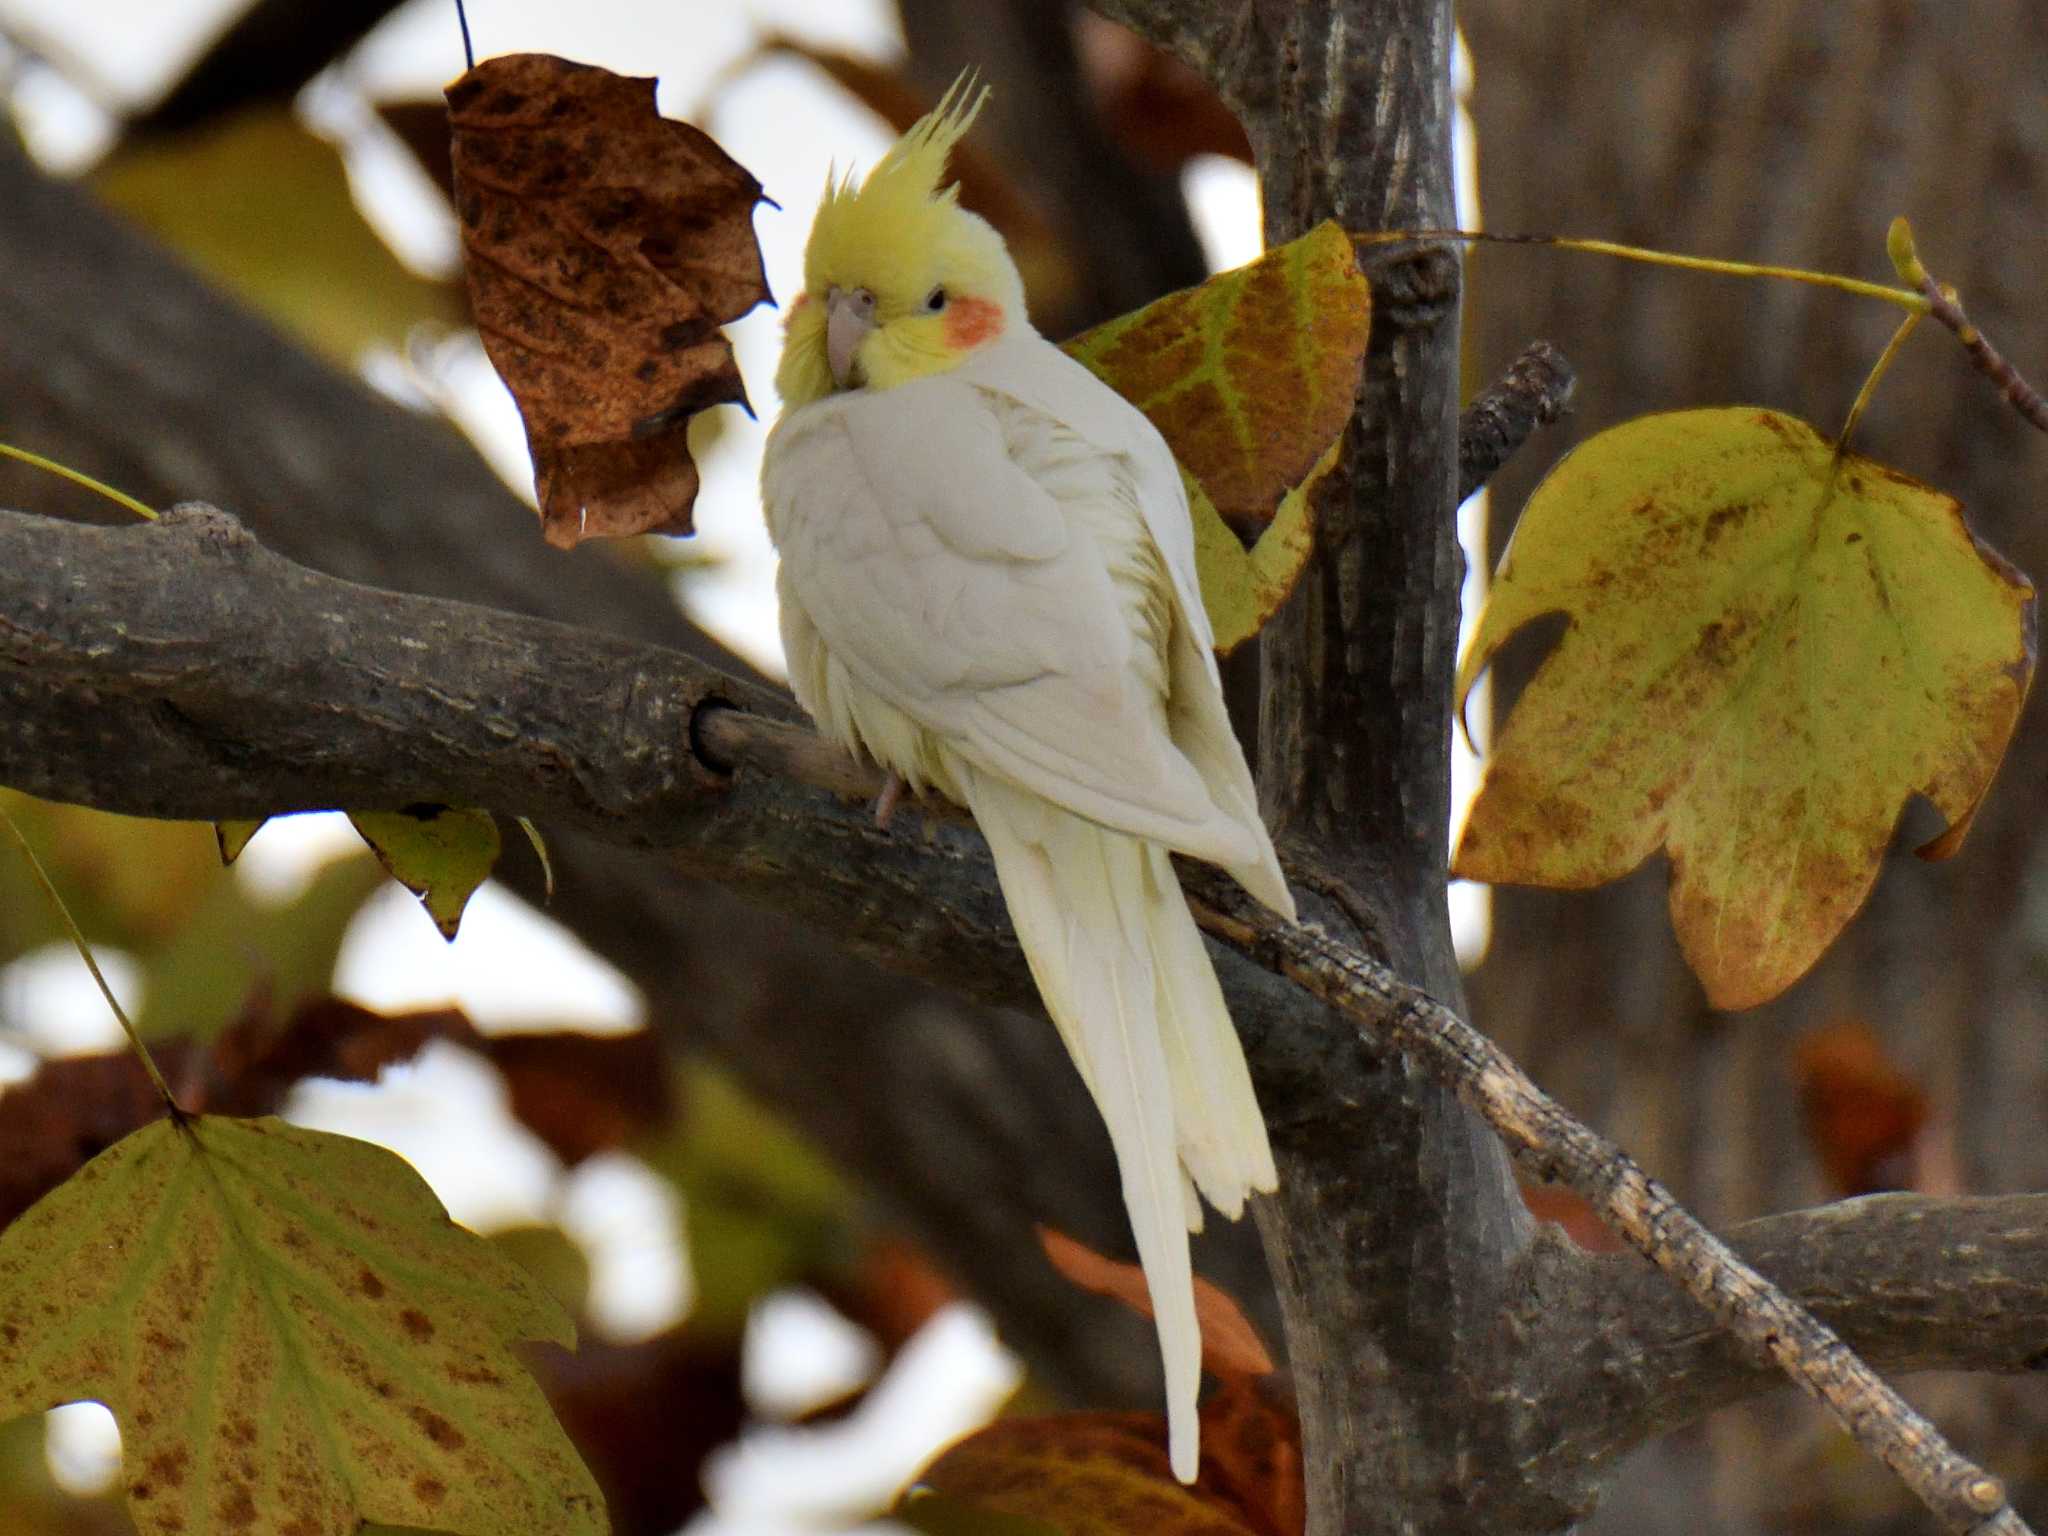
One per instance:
(1392, 1250)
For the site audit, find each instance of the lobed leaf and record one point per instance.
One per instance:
(1249, 376)
(1767, 653)
(294, 1338)
(605, 245)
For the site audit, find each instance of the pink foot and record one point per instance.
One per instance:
(885, 802)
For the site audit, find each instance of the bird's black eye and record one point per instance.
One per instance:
(935, 300)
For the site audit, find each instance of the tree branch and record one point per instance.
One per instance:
(178, 668)
(1914, 1283)
(1534, 391)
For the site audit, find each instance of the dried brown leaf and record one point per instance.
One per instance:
(581, 1094)
(1862, 1113)
(1230, 1345)
(605, 246)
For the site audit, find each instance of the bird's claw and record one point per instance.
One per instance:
(885, 802)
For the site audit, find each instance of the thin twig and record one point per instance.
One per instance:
(1943, 304)
(1534, 391)
(1947, 306)
(1551, 1144)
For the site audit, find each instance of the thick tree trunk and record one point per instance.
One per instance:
(1774, 131)
(1397, 1224)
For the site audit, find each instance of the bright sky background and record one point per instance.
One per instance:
(512, 968)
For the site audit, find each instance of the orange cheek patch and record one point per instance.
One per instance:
(970, 322)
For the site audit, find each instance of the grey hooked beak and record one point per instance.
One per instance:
(849, 316)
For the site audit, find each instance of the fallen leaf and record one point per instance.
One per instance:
(1230, 1345)
(1862, 1113)
(605, 246)
(438, 852)
(1250, 378)
(293, 1337)
(1766, 656)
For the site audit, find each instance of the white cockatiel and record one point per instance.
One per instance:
(988, 587)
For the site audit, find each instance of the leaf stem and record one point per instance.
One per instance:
(1903, 298)
(1877, 371)
(76, 477)
(85, 953)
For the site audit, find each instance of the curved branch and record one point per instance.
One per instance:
(1913, 1283)
(178, 668)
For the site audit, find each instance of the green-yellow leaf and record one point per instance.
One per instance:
(264, 207)
(1250, 378)
(1763, 662)
(234, 836)
(438, 852)
(294, 1338)
(1242, 588)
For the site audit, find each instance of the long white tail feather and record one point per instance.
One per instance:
(1222, 1133)
(1120, 965)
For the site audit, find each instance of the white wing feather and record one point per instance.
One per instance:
(947, 581)
(989, 583)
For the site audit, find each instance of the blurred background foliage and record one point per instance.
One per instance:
(1916, 1058)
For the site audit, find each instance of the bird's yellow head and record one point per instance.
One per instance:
(900, 281)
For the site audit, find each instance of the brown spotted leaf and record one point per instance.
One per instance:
(1768, 652)
(605, 246)
(1251, 1453)
(294, 1338)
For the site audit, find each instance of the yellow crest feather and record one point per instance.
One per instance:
(900, 203)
